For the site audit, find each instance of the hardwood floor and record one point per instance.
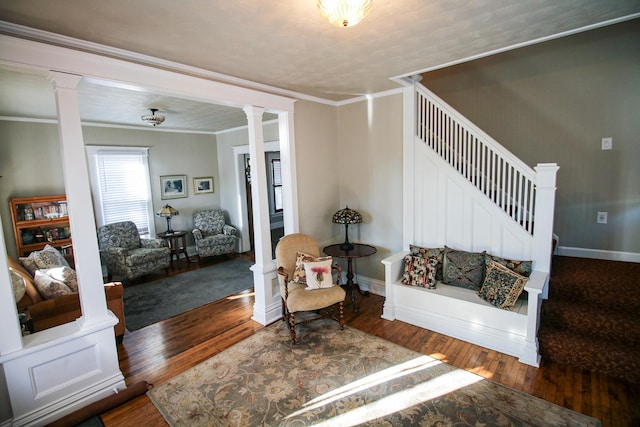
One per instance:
(165, 349)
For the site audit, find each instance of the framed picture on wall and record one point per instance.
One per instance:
(173, 186)
(202, 185)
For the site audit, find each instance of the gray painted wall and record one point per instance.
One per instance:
(31, 166)
(554, 102)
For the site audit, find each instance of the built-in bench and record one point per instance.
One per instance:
(460, 313)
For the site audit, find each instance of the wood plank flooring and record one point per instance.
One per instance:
(165, 349)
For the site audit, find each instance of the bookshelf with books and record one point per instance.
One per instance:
(38, 221)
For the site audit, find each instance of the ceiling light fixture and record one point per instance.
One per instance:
(152, 119)
(344, 13)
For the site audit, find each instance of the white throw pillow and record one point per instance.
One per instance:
(318, 274)
(64, 274)
(49, 287)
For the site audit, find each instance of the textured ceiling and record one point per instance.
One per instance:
(286, 44)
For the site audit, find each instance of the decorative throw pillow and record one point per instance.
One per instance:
(318, 274)
(49, 287)
(66, 275)
(501, 286)
(419, 271)
(438, 253)
(50, 257)
(299, 274)
(19, 286)
(29, 263)
(523, 268)
(463, 269)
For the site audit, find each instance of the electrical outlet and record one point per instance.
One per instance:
(601, 218)
(607, 143)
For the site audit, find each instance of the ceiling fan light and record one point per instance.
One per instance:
(344, 13)
(153, 119)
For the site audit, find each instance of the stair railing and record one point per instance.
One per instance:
(492, 169)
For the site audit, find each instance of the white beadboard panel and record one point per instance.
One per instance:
(455, 205)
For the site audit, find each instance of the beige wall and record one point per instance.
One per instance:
(554, 102)
(370, 158)
(32, 147)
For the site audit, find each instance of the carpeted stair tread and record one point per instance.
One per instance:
(600, 323)
(613, 359)
(590, 318)
(611, 284)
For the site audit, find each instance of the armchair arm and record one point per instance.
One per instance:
(197, 234)
(229, 230)
(152, 243)
(284, 281)
(114, 255)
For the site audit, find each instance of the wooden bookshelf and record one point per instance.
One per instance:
(38, 221)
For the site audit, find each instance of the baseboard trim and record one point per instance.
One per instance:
(599, 254)
(374, 286)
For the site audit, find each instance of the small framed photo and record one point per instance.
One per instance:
(203, 185)
(173, 186)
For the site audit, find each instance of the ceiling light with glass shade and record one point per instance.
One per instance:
(344, 13)
(153, 118)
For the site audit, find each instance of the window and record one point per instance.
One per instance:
(277, 184)
(120, 186)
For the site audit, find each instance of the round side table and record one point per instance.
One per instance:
(359, 251)
(173, 239)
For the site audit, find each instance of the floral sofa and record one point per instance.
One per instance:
(126, 254)
(46, 286)
(213, 236)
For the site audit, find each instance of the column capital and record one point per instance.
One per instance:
(253, 111)
(64, 80)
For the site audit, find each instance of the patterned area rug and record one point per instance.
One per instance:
(342, 378)
(152, 302)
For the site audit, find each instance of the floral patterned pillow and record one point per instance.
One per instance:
(50, 257)
(49, 287)
(299, 275)
(66, 275)
(523, 268)
(318, 274)
(501, 286)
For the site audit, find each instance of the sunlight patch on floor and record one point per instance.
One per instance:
(425, 391)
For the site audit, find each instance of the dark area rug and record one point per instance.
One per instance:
(152, 302)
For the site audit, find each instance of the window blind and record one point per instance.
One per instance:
(123, 190)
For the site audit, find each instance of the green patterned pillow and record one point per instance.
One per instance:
(501, 286)
(463, 269)
(523, 268)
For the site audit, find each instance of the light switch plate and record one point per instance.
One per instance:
(602, 217)
(607, 143)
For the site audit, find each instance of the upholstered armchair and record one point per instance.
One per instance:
(212, 235)
(306, 282)
(126, 254)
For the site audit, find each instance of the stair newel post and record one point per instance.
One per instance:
(544, 212)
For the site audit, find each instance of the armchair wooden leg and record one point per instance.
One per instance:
(292, 326)
(284, 314)
(341, 315)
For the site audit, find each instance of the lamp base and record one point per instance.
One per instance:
(346, 246)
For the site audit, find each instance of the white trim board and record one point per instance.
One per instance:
(598, 254)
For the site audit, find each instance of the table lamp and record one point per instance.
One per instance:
(346, 216)
(168, 212)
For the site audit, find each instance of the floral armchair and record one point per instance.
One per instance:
(126, 254)
(212, 235)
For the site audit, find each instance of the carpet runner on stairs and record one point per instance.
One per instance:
(592, 315)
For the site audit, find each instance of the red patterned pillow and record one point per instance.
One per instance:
(299, 274)
(420, 271)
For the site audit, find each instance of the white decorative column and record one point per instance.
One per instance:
(289, 183)
(64, 368)
(78, 191)
(266, 308)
